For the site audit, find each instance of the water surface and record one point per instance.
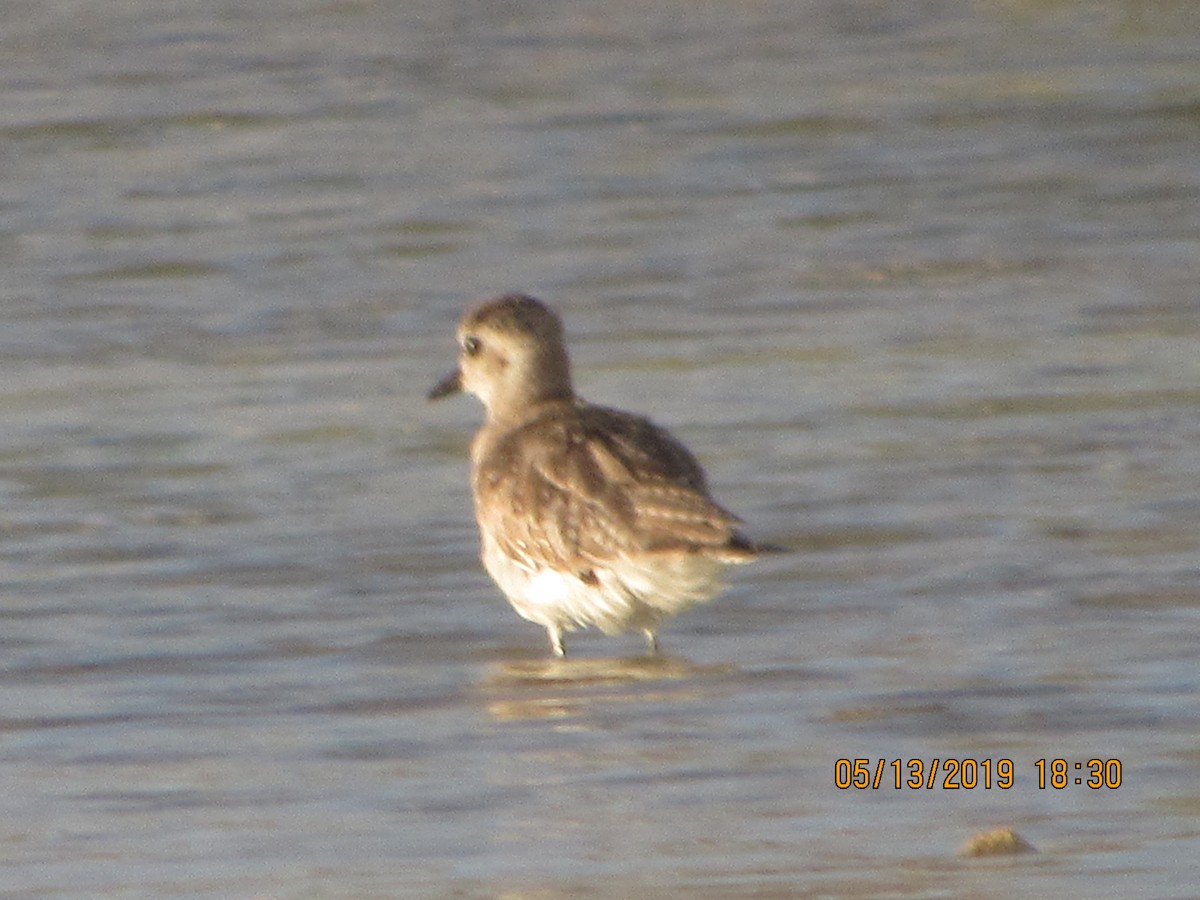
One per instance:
(915, 280)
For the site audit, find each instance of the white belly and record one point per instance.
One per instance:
(628, 594)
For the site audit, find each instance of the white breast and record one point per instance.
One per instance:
(629, 594)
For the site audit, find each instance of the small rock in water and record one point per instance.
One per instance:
(997, 842)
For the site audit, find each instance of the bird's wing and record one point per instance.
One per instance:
(585, 484)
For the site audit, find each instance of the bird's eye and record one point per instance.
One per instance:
(471, 345)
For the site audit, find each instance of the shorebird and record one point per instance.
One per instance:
(588, 516)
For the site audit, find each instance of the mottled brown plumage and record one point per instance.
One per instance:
(588, 515)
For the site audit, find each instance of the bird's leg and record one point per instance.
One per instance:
(651, 641)
(556, 642)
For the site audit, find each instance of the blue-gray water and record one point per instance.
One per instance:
(916, 280)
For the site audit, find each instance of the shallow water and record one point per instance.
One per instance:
(917, 281)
